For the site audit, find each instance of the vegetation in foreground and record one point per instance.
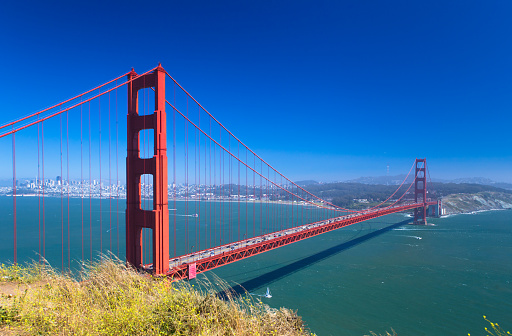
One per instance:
(112, 299)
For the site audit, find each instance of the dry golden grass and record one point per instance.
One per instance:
(111, 299)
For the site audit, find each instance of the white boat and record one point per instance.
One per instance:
(267, 294)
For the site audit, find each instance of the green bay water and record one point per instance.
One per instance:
(441, 284)
(376, 275)
(61, 229)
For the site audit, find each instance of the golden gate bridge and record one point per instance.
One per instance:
(215, 203)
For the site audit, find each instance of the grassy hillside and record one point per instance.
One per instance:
(111, 299)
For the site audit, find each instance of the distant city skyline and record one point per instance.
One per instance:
(360, 179)
(329, 91)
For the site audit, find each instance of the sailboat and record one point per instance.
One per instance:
(267, 294)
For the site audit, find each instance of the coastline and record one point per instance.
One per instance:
(472, 212)
(455, 204)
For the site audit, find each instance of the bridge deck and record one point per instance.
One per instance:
(179, 268)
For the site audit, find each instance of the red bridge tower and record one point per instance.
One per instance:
(156, 219)
(420, 192)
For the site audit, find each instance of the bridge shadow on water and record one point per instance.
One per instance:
(277, 274)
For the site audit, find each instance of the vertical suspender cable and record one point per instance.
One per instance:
(174, 167)
(254, 198)
(61, 199)
(109, 179)
(186, 184)
(246, 186)
(286, 207)
(100, 182)
(196, 186)
(42, 170)
(276, 204)
(207, 206)
(14, 196)
(238, 192)
(199, 187)
(214, 223)
(90, 185)
(208, 172)
(268, 199)
(117, 177)
(220, 188)
(208, 188)
(277, 224)
(68, 186)
(82, 173)
(302, 212)
(230, 190)
(261, 197)
(38, 193)
(292, 198)
(230, 172)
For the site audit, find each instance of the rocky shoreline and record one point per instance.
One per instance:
(482, 201)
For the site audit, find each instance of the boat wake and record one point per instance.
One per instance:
(267, 294)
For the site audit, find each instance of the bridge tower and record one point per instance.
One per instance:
(156, 219)
(420, 191)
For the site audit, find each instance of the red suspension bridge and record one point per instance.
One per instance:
(204, 201)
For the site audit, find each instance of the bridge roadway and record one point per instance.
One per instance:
(188, 265)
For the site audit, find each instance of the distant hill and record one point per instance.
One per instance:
(386, 180)
(484, 181)
(503, 185)
(397, 179)
(474, 180)
(354, 195)
(444, 189)
(305, 182)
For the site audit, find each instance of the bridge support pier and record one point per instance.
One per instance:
(156, 219)
(420, 192)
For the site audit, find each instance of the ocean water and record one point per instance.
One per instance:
(372, 276)
(378, 275)
(64, 231)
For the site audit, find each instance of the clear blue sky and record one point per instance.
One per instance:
(328, 90)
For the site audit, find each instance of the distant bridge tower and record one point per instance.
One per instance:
(420, 192)
(156, 219)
